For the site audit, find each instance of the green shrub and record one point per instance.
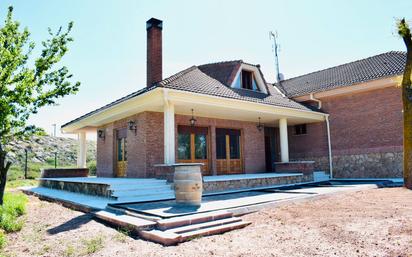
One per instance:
(92, 168)
(10, 223)
(2, 240)
(15, 173)
(14, 206)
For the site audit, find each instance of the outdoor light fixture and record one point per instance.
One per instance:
(100, 134)
(132, 126)
(192, 120)
(259, 125)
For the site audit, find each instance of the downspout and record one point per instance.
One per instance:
(329, 147)
(316, 100)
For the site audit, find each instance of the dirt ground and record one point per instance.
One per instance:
(373, 222)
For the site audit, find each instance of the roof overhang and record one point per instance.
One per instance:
(203, 106)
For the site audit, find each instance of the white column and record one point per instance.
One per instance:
(283, 134)
(169, 132)
(82, 150)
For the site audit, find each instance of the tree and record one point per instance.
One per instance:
(405, 32)
(28, 84)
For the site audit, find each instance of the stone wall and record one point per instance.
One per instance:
(234, 184)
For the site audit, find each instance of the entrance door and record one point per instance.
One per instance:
(193, 146)
(121, 152)
(228, 151)
(270, 149)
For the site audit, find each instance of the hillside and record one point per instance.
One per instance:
(43, 149)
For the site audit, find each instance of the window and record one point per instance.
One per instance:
(247, 78)
(200, 147)
(234, 146)
(183, 149)
(300, 129)
(220, 146)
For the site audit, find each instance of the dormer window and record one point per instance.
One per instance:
(247, 77)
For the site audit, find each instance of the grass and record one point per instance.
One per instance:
(14, 206)
(70, 251)
(93, 245)
(20, 183)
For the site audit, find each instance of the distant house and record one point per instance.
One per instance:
(228, 117)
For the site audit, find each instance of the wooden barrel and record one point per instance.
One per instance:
(188, 185)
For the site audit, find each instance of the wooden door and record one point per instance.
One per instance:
(229, 154)
(121, 153)
(193, 146)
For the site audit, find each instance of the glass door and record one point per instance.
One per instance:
(121, 153)
(193, 146)
(228, 151)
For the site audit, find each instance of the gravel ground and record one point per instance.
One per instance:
(373, 222)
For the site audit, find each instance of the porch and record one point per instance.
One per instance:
(228, 136)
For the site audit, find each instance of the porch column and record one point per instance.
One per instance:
(283, 134)
(82, 150)
(169, 132)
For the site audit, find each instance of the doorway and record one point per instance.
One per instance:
(121, 152)
(228, 151)
(270, 146)
(193, 146)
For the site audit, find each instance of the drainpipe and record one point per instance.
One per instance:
(316, 100)
(329, 147)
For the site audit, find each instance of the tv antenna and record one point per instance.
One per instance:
(275, 50)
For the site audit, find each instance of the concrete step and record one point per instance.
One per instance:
(123, 220)
(138, 193)
(214, 230)
(169, 237)
(134, 187)
(144, 198)
(138, 185)
(141, 188)
(192, 219)
(199, 226)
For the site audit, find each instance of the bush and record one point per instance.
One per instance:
(92, 168)
(14, 206)
(15, 173)
(2, 240)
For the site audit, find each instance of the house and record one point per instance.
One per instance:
(347, 119)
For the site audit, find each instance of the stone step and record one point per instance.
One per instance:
(192, 219)
(199, 226)
(171, 238)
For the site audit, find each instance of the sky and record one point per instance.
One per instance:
(108, 55)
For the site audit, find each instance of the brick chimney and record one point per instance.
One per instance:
(154, 51)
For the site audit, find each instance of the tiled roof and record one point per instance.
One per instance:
(206, 79)
(224, 72)
(195, 81)
(375, 67)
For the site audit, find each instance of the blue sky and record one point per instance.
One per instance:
(108, 55)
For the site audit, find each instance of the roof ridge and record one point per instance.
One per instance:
(221, 62)
(340, 65)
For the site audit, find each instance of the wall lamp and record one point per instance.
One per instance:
(260, 126)
(132, 126)
(101, 134)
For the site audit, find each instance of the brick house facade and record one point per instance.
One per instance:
(226, 116)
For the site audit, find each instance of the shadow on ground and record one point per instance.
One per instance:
(72, 224)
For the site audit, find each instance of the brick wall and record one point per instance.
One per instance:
(366, 135)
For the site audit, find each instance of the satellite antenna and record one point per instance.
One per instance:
(275, 50)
